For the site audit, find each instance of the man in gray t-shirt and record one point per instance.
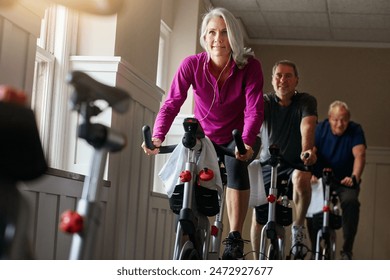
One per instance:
(283, 127)
(290, 118)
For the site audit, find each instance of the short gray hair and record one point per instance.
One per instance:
(339, 104)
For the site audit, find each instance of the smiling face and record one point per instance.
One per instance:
(338, 119)
(284, 81)
(217, 39)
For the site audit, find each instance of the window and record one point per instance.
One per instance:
(163, 57)
(162, 82)
(50, 91)
(43, 83)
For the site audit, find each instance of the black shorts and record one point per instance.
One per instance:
(237, 170)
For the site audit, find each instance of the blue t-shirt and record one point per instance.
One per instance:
(336, 151)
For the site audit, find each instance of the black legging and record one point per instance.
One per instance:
(237, 170)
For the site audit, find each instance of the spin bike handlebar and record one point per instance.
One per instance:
(239, 142)
(277, 158)
(329, 178)
(149, 144)
(169, 148)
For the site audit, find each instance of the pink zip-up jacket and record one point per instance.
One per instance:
(237, 105)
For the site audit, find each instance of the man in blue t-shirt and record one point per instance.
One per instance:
(341, 146)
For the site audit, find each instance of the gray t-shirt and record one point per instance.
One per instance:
(281, 126)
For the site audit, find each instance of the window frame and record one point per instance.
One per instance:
(162, 82)
(57, 42)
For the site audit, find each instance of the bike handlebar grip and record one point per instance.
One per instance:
(239, 143)
(148, 137)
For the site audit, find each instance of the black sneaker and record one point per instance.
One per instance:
(234, 247)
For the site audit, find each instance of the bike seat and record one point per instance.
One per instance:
(88, 89)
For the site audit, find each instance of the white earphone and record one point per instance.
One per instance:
(213, 86)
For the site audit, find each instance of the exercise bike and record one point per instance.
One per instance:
(277, 213)
(194, 204)
(327, 221)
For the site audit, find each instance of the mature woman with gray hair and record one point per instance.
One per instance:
(227, 84)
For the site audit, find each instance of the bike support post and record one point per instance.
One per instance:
(88, 207)
(104, 140)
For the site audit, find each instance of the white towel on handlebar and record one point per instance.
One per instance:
(170, 172)
(257, 190)
(317, 198)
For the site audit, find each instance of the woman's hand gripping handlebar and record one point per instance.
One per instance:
(243, 152)
(152, 146)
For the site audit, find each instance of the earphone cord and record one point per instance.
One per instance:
(214, 87)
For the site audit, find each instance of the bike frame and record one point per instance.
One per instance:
(326, 235)
(217, 229)
(83, 243)
(272, 234)
(190, 222)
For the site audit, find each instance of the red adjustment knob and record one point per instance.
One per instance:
(214, 230)
(206, 174)
(325, 209)
(185, 176)
(271, 198)
(71, 222)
